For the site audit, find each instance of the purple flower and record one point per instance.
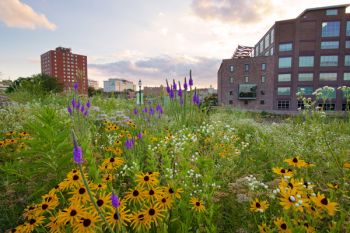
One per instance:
(78, 154)
(75, 86)
(167, 86)
(77, 105)
(82, 108)
(181, 101)
(195, 98)
(69, 109)
(136, 112)
(185, 85)
(159, 109)
(171, 94)
(86, 113)
(115, 201)
(179, 92)
(145, 110)
(190, 82)
(88, 104)
(151, 111)
(129, 143)
(174, 84)
(139, 135)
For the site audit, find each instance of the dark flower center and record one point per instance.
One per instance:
(171, 190)
(48, 199)
(163, 200)
(306, 224)
(135, 193)
(257, 205)
(81, 190)
(115, 216)
(289, 169)
(86, 222)
(198, 203)
(99, 185)
(112, 160)
(13, 230)
(44, 206)
(57, 187)
(73, 213)
(151, 192)
(152, 212)
(324, 201)
(290, 185)
(31, 208)
(295, 160)
(75, 177)
(100, 202)
(283, 171)
(32, 221)
(74, 171)
(313, 208)
(140, 217)
(284, 226)
(146, 178)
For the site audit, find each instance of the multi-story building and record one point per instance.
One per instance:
(154, 91)
(117, 85)
(93, 84)
(296, 55)
(69, 68)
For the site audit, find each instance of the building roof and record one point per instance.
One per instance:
(243, 51)
(323, 8)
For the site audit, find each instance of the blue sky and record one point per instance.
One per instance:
(137, 39)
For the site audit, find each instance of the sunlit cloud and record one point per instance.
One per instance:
(14, 13)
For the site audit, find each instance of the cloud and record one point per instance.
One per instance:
(19, 15)
(240, 11)
(154, 70)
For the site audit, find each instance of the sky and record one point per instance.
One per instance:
(151, 40)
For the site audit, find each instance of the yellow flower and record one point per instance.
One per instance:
(165, 202)
(197, 204)
(50, 202)
(282, 226)
(333, 185)
(2, 143)
(292, 199)
(119, 217)
(259, 206)
(346, 165)
(98, 187)
(79, 195)
(54, 225)
(284, 172)
(32, 223)
(103, 202)
(140, 222)
(296, 162)
(321, 201)
(263, 228)
(154, 214)
(153, 193)
(147, 180)
(72, 214)
(87, 223)
(172, 192)
(9, 133)
(23, 134)
(135, 195)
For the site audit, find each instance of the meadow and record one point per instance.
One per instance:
(69, 163)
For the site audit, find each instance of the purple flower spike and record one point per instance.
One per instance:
(190, 82)
(88, 104)
(69, 109)
(73, 103)
(167, 86)
(145, 110)
(82, 109)
(129, 144)
(174, 84)
(159, 109)
(115, 201)
(136, 112)
(86, 113)
(185, 85)
(77, 105)
(139, 135)
(78, 154)
(171, 94)
(75, 86)
(151, 111)
(179, 92)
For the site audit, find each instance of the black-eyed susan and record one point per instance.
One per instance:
(32, 211)
(135, 195)
(282, 225)
(292, 199)
(147, 180)
(263, 228)
(23, 134)
(72, 214)
(103, 201)
(154, 214)
(173, 192)
(2, 143)
(107, 178)
(50, 202)
(98, 187)
(139, 222)
(57, 188)
(118, 143)
(165, 202)
(54, 226)
(321, 201)
(308, 228)
(79, 195)
(111, 164)
(33, 223)
(119, 217)
(87, 223)
(197, 204)
(259, 206)
(117, 151)
(296, 162)
(292, 184)
(10, 133)
(282, 171)
(153, 193)
(73, 180)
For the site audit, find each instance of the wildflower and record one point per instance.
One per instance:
(346, 165)
(179, 92)
(153, 214)
(171, 94)
(165, 202)
(281, 171)
(72, 214)
(153, 193)
(292, 199)
(10, 133)
(190, 82)
(79, 195)
(145, 110)
(174, 85)
(115, 201)
(33, 223)
(139, 135)
(140, 222)
(197, 204)
(282, 225)
(86, 113)
(54, 225)
(88, 104)
(129, 144)
(167, 87)
(82, 109)
(146, 179)
(185, 85)
(75, 86)
(259, 206)
(151, 111)
(119, 217)
(136, 112)
(263, 228)
(73, 102)
(69, 109)
(321, 201)
(296, 162)
(333, 185)
(135, 195)
(78, 154)
(87, 223)
(173, 193)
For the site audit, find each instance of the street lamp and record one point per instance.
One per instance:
(140, 84)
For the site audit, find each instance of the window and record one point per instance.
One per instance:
(327, 106)
(283, 104)
(348, 28)
(346, 76)
(230, 102)
(246, 67)
(284, 62)
(271, 51)
(267, 53)
(284, 77)
(247, 91)
(306, 61)
(347, 44)
(328, 76)
(256, 51)
(305, 90)
(283, 91)
(263, 66)
(262, 102)
(272, 35)
(261, 46)
(231, 68)
(332, 12)
(231, 79)
(285, 47)
(305, 77)
(301, 104)
(330, 29)
(263, 78)
(347, 60)
(246, 79)
(329, 44)
(329, 61)
(267, 41)
(231, 93)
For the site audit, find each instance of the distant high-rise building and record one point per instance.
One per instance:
(117, 85)
(93, 83)
(68, 67)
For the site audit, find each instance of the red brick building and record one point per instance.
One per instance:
(301, 54)
(68, 67)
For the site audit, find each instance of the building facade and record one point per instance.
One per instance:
(118, 85)
(93, 84)
(68, 67)
(297, 55)
(154, 91)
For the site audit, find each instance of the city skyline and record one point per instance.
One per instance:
(151, 42)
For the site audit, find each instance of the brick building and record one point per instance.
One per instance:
(301, 54)
(69, 68)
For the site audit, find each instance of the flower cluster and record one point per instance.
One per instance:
(15, 140)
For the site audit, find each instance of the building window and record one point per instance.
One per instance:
(230, 101)
(247, 91)
(328, 76)
(284, 77)
(231, 68)
(272, 35)
(261, 46)
(283, 91)
(332, 12)
(306, 61)
(231, 93)
(284, 62)
(329, 44)
(231, 79)
(283, 104)
(285, 47)
(263, 78)
(348, 28)
(305, 77)
(329, 61)
(262, 102)
(267, 53)
(263, 66)
(347, 44)
(346, 76)
(305, 90)
(327, 106)
(301, 104)
(347, 60)
(246, 67)
(246, 79)
(256, 51)
(271, 51)
(267, 41)
(330, 29)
